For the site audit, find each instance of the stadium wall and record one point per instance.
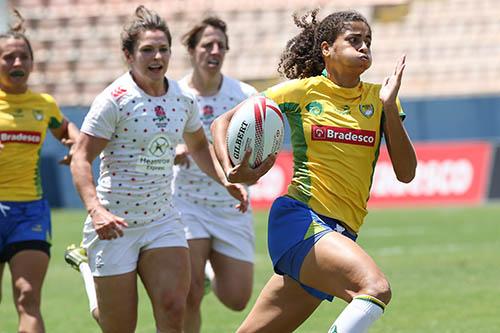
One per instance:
(494, 191)
(454, 120)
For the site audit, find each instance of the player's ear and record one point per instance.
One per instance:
(325, 49)
(129, 58)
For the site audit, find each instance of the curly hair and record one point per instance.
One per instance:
(16, 31)
(143, 20)
(191, 38)
(302, 56)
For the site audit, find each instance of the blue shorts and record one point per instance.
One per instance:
(293, 229)
(24, 226)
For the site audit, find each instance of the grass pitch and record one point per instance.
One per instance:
(443, 265)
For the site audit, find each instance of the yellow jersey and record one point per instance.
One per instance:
(335, 135)
(24, 119)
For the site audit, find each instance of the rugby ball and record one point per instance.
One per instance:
(257, 124)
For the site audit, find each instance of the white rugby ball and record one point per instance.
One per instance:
(258, 124)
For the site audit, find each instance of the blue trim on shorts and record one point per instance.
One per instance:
(24, 225)
(289, 223)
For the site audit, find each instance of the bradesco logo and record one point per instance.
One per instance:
(344, 135)
(20, 137)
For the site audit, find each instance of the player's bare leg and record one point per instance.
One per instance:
(282, 306)
(117, 302)
(233, 280)
(199, 250)
(338, 266)
(28, 269)
(166, 275)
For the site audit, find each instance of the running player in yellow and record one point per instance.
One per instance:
(337, 122)
(25, 228)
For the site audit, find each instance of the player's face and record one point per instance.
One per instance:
(350, 52)
(151, 56)
(209, 53)
(16, 65)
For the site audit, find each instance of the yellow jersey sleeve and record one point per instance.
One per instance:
(53, 112)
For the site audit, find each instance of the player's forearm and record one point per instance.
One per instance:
(81, 170)
(72, 131)
(401, 151)
(218, 167)
(219, 130)
(208, 165)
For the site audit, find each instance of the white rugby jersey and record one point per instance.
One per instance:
(191, 183)
(143, 131)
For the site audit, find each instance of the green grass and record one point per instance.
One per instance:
(443, 264)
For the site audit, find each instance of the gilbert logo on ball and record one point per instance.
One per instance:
(257, 124)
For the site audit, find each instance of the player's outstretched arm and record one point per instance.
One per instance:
(401, 151)
(86, 149)
(199, 149)
(67, 133)
(236, 190)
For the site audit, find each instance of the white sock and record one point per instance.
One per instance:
(88, 280)
(359, 315)
(209, 271)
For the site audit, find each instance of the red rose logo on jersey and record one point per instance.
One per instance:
(160, 112)
(207, 114)
(343, 135)
(161, 116)
(208, 111)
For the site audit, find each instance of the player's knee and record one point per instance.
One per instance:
(379, 288)
(176, 308)
(236, 302)
(109, 322)
(238, 306)
(234, 296)
(174, 305)
(28, 300)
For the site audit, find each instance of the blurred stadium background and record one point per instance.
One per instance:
(451, 88)
(442, 261)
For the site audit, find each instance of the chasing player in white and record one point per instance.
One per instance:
(132, 228)
(217, 233)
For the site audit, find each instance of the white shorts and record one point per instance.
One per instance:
(120, 255)
(231, 231)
